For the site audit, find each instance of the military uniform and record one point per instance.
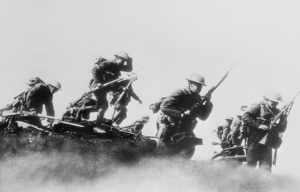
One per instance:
(38, 96)
(103, 72)
(170, 121)
(236, 136)
(120, 107)
(225, 140)
(256, 115)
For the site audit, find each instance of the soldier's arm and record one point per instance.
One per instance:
(155, 107)
(236, 132)
(226, 131)
(170, 103)
(49, 106)
(31, 98)
(249, 117)
(203, 111)
(97, 73)
(283, 125)
(133, 94)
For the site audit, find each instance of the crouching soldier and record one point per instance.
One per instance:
(39, 95)
(178, 118)
(258, 119)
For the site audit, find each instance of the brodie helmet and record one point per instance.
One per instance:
(273, 96)
(229, 118)
(122, 55)
(196, 78)
(55, 84)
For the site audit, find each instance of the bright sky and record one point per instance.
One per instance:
(170, 39)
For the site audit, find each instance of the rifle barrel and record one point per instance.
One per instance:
(236, 63)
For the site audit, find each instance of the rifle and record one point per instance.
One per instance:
(41, 116)
(60, 121)
(208, 94)
(96, 86)
(125, 90)
(133, 78)
(272, 138)
(226, 152)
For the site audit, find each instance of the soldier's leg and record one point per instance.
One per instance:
(164, 139)
(102, 106)
(120, 115)
(165, 131)
(266, 161)
(251, 156)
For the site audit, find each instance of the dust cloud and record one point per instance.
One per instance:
(64, 165)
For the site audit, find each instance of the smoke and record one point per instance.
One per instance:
(58, 164)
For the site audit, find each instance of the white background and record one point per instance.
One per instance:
(170, 39)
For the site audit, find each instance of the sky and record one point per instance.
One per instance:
(170, 40)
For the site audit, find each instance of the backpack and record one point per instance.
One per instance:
(19, 103)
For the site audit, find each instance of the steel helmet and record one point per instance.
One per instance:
(122, 55)
(55, 84)
(240, 113)
(229, 118)
(273, 96)
(196, 78)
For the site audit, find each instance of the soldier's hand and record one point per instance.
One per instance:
(152, 108)
(95, 87)
(264, 127)
(208, 97)
(280, 135)
(50, 122)
(33, 113)
(187, 112)
(140, 101)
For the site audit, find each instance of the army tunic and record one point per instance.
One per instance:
(256, 115)
(181, 100)
(38, 96)
(105, 71)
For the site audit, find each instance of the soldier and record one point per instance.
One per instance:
(39, 95)
(226, 136)
(258, 118)
(178, 116)
(105, 71)
(120, 106)
(19, 100)
(237, 134)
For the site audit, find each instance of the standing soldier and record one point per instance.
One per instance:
(178, 118)
(237, 134)
(258, 118)
(226, 135)
(121, 104)
(105, 71)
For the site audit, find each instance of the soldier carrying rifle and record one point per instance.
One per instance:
(120, 105)
(32, 101)
(103, 72)
(179, 113)
(258, 119)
